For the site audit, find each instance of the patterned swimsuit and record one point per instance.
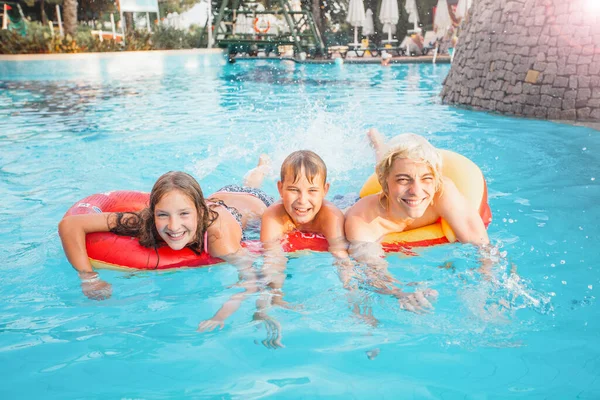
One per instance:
(268, 200)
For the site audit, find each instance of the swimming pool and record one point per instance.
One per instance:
(71, 127)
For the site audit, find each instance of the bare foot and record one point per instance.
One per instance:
(377, 142)
(255, 176)
(263, 159)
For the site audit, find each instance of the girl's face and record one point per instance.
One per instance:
(302, 199)
(176, 219)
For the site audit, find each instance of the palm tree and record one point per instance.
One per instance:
(70, 16)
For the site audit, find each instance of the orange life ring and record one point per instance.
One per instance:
(107, 250)
(257, 25)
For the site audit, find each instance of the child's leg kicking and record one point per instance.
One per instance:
(254, 178)
(377, 142)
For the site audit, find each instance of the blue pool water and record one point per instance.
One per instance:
(70, 127)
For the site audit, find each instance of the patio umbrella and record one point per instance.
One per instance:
(356, 16)
(413, 13)
(442, 21)
(388, 15)
(462, 7)
(368, 26)
(241, 25)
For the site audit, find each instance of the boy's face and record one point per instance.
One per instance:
(411, 187)
(302, 199)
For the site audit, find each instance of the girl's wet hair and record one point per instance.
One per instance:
(413, 147)
(142, 224)
(313, 165)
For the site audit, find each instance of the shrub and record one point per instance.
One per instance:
(39, 39)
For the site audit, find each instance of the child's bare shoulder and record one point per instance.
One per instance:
(276, 215)
(275, 210)
(364, 206)
(331, 210)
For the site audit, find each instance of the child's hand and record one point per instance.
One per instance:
(273, 327)
(95, 288)
(210, 324)
(417, 302)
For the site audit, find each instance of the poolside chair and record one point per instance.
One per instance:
(391, 47)
(414, 44)
(429, 42)
(365, 47)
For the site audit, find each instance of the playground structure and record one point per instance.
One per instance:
(297, 29)
(12, 17)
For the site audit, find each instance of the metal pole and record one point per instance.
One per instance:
(148, 22)
(60, 27)
(210, 20)
(112, 23)
(5, 18)
(122, 25)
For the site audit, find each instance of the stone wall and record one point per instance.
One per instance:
(533, 58)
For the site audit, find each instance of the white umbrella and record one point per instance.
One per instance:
(241, 24)
(413, 13)
(356, 16)
(368, 26)
(442, 21)
(388, 15)
(462, 7)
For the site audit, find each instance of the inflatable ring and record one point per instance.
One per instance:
(108, 250)
(468, 179)
(261, 25)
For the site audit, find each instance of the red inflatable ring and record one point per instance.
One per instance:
(107, 250)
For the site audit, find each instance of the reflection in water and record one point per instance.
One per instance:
(277, 76)
(49, 98)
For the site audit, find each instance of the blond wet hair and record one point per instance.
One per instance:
(412, 147)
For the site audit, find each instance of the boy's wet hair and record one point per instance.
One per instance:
(313, 165)
(413, 147)
(142, 224)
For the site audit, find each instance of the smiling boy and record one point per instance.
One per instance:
(414, 194)
(303, 187)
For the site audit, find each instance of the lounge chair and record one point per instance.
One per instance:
(363, 48)
(392, 47)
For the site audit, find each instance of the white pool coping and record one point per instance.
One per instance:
(73, 56)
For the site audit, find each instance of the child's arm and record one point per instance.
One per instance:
(332, 227)
(272, 229)
(72, 230)
(272, 226)
(366, 249)
(247, 279)
(224, 237)
(464, 220)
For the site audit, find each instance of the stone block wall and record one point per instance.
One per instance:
(532, 58)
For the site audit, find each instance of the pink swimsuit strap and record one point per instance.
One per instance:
(206, 242)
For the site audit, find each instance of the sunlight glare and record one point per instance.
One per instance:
(593, 5)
